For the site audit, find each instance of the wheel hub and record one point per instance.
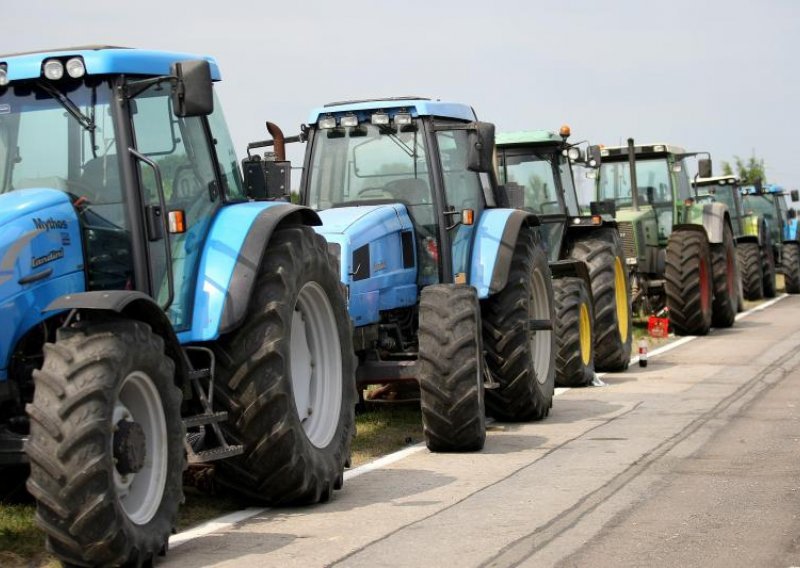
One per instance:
(130, 447)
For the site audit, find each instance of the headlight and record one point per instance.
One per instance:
(349, 120)
(380, 119)
(327, 122)
(75, 68)
(53, 69)
(3, 75)
(402, 119)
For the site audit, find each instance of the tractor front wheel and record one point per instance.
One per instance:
(106, 444)
(688, 284)
(520, 357)
(726, 277)
(748, 256)
(573, 331)
(791, 267)
(287, 377)
(449, 369)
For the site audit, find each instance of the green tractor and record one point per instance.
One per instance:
(681, 254)
(593, 323)
(779, 251)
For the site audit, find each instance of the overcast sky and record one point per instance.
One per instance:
(720, 76)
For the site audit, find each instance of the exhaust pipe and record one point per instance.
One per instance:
(278, 141)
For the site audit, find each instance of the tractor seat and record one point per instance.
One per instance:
(414, 191)
(101, 175)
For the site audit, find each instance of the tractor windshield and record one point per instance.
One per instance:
(652, 179)
(719, 193)
(534, 174)
(369, 163)
(44, 145)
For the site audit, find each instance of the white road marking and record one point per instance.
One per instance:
(226, 521)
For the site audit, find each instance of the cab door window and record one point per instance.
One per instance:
(180, 147)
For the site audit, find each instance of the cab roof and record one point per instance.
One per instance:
(416, 106)
(101, 60)
(527, 137)
(611, 152)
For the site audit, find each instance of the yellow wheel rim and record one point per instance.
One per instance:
(621, 298)
(586, 335)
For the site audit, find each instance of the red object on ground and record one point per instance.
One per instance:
(658, 327)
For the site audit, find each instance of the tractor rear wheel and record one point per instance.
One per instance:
(602, 252)
(726, 280)
(748, 256)
(768, 271)
(688, 284)
(573, 330)
(450, 369)
(106, 444)
(287, 377)
(520, 358)
(791, 268)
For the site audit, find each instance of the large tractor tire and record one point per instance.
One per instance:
(768, 272)
(287, 377)
(748, 256)
(450, 369)
(573, 330)
(106, 444)
(613, 328)
(726, 281)
(791, 268)
(689, 286)
(521, 359)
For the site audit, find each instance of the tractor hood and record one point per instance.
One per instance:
(376, 249)
(40, 259)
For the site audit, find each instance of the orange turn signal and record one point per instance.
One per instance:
(177, 221)
(468, 217)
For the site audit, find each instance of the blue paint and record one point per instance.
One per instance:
(488, 239)
(416, 107)
(109, 61)
(389, 284)
(39, 231)
(220, 252)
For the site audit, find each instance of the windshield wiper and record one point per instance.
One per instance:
(69, 106)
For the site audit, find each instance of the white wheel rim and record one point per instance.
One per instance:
(540, 340)
(316, 365)
(139, 494)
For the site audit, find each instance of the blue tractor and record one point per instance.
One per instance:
(155, 311)
(448, 286)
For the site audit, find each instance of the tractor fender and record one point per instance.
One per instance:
(495, 239)
(715, 217)
(690, 227)
(132, 305)
(230, 262)
(575, 269)
(747, 239)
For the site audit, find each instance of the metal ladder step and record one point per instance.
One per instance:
(214, 454)
(206, 418)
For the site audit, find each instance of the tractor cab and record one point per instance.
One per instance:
(723, 189)
(399, 185)
(646, 211)
(117, 139)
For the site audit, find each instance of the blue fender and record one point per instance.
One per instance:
(230, 261)
(495, 239)
(41, 258)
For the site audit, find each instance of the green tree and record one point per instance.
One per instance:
(748, 171)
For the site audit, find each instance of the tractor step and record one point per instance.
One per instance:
(203, 419)
(215, 454)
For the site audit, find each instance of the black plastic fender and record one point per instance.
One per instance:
(505, 251)
(573, 268)
(133, 305)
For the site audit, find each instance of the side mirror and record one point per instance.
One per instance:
(795, 195)
(266, 180)
(650, 191)
(605, 207)
(704, 169)
(758, 185)
(480, 153)
(193, 93)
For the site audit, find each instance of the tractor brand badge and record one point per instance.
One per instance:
(38, 261)
(49, 224)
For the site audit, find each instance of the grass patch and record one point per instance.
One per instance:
(21, 541)
(384, 428)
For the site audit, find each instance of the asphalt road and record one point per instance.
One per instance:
(692, 461)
